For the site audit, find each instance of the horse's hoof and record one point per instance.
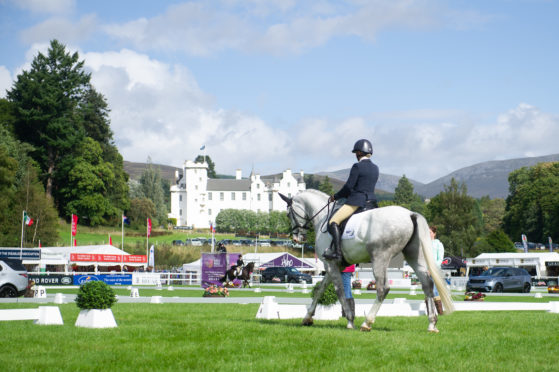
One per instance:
(308, 322)
(434, 330)
(365, 328)
(350, 326)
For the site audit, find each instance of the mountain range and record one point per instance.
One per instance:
(482, 179)
(488, 178)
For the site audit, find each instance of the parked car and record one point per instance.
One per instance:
(13, 278)
(283, 275)
(178, 242)
(501, 279)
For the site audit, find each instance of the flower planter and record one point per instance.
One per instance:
(96, 318)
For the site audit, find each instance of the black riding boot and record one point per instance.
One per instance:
(335, 252)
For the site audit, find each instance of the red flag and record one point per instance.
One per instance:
(149, 226)
(75, 243)
(40, 246)
(110, 240)
(74, 224)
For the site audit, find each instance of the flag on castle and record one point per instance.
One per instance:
(26, 219)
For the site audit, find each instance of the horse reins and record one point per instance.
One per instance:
(307, 220)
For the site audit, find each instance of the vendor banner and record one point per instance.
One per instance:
(21, 253)
(112, 279)
(89, 257)
(214, 266)
(51, 279)
(287, 260)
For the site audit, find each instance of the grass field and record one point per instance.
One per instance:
(220, 337)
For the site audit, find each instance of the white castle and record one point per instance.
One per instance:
(196, 200)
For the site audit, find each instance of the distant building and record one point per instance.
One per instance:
(196, 200)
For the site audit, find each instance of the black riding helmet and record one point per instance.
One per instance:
(364, 146)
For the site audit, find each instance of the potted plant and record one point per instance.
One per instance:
(473, 296)
(356, 284)
(328, 307)
(95, 298)
(372, 285)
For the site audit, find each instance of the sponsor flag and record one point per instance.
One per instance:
(75, 243)
(125, 220)
(151, 260)
(203, 147)
(28, 220)
(212, 229)
(525, 243)
(149, 226)
(110, 240)
(74, 224)
(40, 246)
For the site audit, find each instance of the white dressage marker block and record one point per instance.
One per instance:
(96, 318)
(44, 315)
(59, 298)
(257, 290)
(40, 292)
(538, 295)
(554, 307)
(134, 293)
(155, 299)
(171, 288)
(357, 291)
(269, 308)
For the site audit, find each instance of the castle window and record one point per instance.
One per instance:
(258, 197)
(232, 196)
(180, 212)
(244, 196)
(209, 196)
(270, 196)
(221, 196)
(209, 212)
(289, 184)
(180, 197)
(257, 185)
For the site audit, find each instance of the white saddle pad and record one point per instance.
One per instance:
(352, 226)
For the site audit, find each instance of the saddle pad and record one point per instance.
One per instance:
(352, 226)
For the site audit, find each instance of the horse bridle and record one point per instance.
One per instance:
(307, 220)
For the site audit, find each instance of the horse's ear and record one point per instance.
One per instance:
(286, 199)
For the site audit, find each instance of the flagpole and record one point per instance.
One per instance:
(71, 226)
(21, 245)
(122, 233)
(147, 239)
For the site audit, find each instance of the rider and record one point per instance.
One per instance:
(221, 247)
(359, 190)
(239, 266)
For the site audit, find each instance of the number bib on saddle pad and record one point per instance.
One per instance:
(352, 226)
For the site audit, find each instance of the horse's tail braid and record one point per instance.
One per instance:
(426, 246)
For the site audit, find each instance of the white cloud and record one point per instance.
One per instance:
(5, 81)
(46, 6)
(158, 110)
(201, 28)
(62, 29)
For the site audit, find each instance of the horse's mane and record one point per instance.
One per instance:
(316, 192)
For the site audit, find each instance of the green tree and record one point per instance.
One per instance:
(20, 189)
(495, 241)
(532, 206)
(493, 211)
(403, 194)
(405, 197)
(152, 188)
(326, 187)
(140, 210)
(311, 182)
(46, 98)
(453, 212)
(211, 165)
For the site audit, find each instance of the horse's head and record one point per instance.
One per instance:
(298, 218)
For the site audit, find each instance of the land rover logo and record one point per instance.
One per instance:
(66, 280)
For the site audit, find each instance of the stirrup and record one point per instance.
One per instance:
(331, 255)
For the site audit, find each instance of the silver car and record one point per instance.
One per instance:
(501, 279)
(13, 278)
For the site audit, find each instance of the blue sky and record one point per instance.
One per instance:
(270, 85)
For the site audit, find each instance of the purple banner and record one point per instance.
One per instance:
(214, 266)
(287, 260)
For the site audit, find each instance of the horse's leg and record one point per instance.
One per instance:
(379, 270)
(307, 320)
(427, 286)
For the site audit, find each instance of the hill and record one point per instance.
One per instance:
(486, 178)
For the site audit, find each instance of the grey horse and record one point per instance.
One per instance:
(381, 234)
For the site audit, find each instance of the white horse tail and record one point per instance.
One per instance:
(426, 247)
